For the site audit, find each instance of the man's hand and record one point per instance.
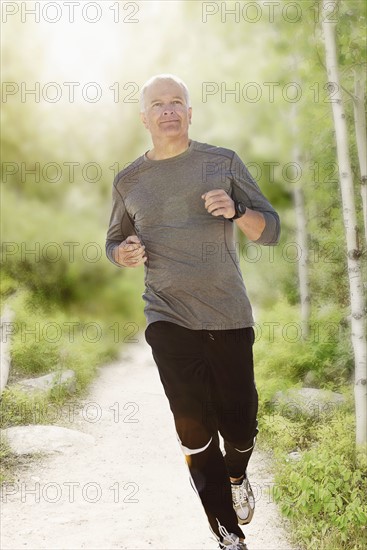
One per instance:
(130, 253)
(219, 203)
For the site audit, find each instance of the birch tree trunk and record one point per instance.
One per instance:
(7, 317)
(301, 222)
(361, 138)
(304, 286)
(350, 223)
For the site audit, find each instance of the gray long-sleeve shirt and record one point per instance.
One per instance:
(192, 273)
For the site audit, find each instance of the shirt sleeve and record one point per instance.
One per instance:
(246, 190)
(120, 226)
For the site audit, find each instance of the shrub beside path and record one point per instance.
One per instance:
(131, 489)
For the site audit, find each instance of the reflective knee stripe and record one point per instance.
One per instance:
(188, 451)
(249, 449)
(245, 451)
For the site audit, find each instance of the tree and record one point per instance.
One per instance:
(361, 137)
(350, 221)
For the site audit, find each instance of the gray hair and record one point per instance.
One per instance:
(163, 76)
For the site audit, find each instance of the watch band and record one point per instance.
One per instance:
(240, 210)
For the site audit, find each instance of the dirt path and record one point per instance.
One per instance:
(131, 489)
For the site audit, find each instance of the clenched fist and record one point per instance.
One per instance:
(219, 203)
(130, 253)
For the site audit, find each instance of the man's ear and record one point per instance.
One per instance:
(144, 119)
(190, 114)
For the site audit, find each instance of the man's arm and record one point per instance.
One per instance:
(260, 227)
(252, 224)
(260, 223)
(124, 247)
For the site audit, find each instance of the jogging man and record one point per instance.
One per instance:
(173, 211)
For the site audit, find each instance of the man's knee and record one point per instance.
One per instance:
(188, 451)
(193, 436)
(243, 441)
(238, 413)
(244, 447)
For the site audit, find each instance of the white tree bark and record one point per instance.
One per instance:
(304, 286)
(6, 318)
(350, 223)
(301, 222)
(361, 138)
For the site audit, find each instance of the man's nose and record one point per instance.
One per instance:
(168, 110)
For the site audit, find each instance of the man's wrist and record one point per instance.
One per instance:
(240, 209)
(115, 255)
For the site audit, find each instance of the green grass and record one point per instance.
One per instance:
(49, 339)
(323, 493)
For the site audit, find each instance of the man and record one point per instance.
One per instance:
(173, 211)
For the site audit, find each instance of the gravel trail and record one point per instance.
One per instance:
(131, 489)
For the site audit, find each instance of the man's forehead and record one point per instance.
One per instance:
(165, 88)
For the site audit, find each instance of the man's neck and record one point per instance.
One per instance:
(167, 149)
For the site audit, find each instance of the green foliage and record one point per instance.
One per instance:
(42, 261)
(350, 30)
(7, 461)
(278, 433)
(324, 492)
(67, 335)
(65, 276)
(34, 357)
(52, 340)
(31, 353)
(19, 408)
(283, 358)
(8, 286)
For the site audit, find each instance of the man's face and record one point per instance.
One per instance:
(166, 111)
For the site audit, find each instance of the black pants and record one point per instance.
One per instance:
(208, 379)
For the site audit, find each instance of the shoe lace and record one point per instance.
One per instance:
(235, 541)
(239, 494)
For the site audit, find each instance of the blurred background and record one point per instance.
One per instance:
(70, 121)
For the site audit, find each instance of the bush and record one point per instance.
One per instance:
(42, 343)
(19, 409)
(65, 265)
(323, 493)
(279, 433)
(283, 358)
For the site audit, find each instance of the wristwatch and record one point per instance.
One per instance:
(240, 209)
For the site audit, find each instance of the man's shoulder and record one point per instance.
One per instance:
(214, 150)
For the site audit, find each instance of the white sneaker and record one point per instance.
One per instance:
(232, 542)
(243, 501)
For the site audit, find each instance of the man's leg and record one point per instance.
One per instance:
(236, 400)
(178, 354)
